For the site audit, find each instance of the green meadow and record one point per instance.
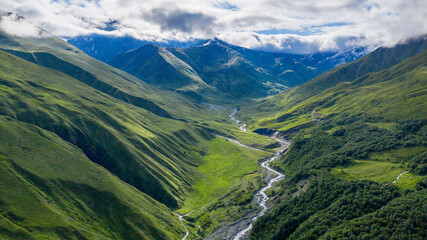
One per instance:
(226, 165)
(370, 170)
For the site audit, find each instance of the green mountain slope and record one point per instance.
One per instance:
(50, 189)
(149, 140)
(375, 61)
(163, 64)
(59, 55)
(356, 165)
(220, 70)
(156, 150)
(227, 70)
(90, 152)
(136, 145)
(159, 67)
(396, 93)
(159, 158)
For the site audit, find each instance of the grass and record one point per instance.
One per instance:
(408, 180)
(389, 126)
(136, 150)
(395, 93)
(42, 195)
(383, 172)
(226, 165)
(160, 153)
(228, 179)
(370, 170)
(72, 155)
(152, 155)
(398, 155)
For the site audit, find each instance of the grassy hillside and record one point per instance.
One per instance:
(155, 154)
(227, 70)
(156, 67)
(90, 152)
(396, 93)
(350, 143)
(157, 151)
(63, 57)
(50, 189)
(378, 60)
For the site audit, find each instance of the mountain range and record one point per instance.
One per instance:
(143, 146)
(104, 47)
(217, 70)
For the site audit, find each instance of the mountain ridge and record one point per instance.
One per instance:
(345, 73)
(231, 71)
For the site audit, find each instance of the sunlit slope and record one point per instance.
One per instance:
(227, 70)
(152, 153)
(396, 93)
(58, 54)
(50, 189)
(378, 60)
(156, 66)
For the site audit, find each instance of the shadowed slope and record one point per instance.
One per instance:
(50, 189)
(149, 152)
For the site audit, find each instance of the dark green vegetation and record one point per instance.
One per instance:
(215, 71)
(332, 208)
(350, 141)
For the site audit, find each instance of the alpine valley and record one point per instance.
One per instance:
(133, 139)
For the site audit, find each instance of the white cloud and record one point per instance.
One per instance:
(18, 26)
(321, 25)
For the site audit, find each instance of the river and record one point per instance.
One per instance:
(242, 227)
(261, 196)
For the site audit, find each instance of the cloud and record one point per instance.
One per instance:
(179, 20)
(291, 43)
(17, 26)
(324, 25)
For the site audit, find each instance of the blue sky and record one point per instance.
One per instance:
(296, 26)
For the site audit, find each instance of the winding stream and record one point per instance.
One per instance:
(239, 143)
(399, 176)
(260, 195)
(182, 223)
(241, 126)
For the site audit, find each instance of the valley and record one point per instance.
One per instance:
(210, 141)
(232, 230)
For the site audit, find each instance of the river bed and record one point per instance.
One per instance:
(261, 196)
(239, 230)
